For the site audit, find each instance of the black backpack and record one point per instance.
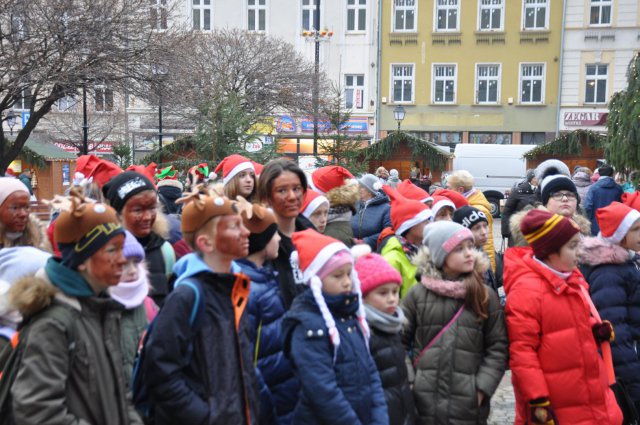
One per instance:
(11, 356)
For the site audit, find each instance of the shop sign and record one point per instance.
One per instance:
(585, 118)
(253, 146)
(285, 124)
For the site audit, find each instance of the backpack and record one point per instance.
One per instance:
(11, 356)
(141, 398)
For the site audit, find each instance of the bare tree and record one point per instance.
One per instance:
(51, 48)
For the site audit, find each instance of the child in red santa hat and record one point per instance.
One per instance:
(238, 177)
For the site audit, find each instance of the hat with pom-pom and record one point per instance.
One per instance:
(457, 198)
(545, 232)
(615, 220)
(326, 178)
(549, 168)
(406, 213)
(232, 165)
(554, 183)
(409, 190)
(101, 170)
(312, 201)
(316, 255)
(374, 271)
(371, 183)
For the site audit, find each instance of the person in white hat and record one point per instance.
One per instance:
(17, 226)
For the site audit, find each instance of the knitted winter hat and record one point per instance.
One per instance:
(457, 198)
(440, 202)
(132, 248)
(125, 185)
(546, 232)
(409, 190)
(231, 166)
(148, 171)
(312, 201)
(406, 213)
(83, 229)
(442, 237)
(262, 225)
(615, 221)
(371, 183)
(555, 183)
(469, 216)
(202, 206)
(551, 167)
(9, 186)
(313, 251)
(326, 178)
(167, 173)
(629, 199)
(373, 271)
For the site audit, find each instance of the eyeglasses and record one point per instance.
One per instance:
(569, 195)
(15, 209)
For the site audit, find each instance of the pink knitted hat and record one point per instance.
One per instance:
(373, 271)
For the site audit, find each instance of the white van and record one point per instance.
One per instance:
(495, 168)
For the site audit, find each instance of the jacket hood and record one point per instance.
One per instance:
(581, 179)
(596, 251)
(161, 226)
(606, 182)
(193, 264)
(31, 294)
(345, 195)
(516, 219)
(257, 274)
(379, 199)
(433, 279)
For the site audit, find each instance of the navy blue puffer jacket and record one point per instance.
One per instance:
(347, 392)
(372, 216)
(614, 284)
(266, 311)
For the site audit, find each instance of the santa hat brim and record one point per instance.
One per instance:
(424, 215)
(441, 204)
(623, 228)
(314, 205)
(236, 170)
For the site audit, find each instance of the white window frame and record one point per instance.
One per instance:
(309, 7)
(256, 9)
(104, 92)
(595, 78)
(490, 6)
(22, 103)
(488, 78)
(542, 78)
(444, 78)
(600, 5)
(446, 7)
(66, 104)
(355, 7)
(535, 4)
(395, 6)
(159, 15)
(351, 88)
(412, 78)
(202, 7)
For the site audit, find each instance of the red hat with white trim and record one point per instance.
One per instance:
(231, 166)
(315, 252)
(632, 200)
(439, 202)
(257, 167)
(312, 201)
(615, 220)
(457, 198)
(411, 191)
(406, 213)
(326, 178)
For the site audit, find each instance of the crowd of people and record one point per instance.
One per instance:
(260, 294)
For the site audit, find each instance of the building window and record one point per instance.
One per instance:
(487, 84)
(404, 15)
(103, 98)
(354, 91)
(491, 14)
(402, 83)
(596, 84)
(447, 14)
(202, 14)
(532, 138)
(257, 15)
(24, 103)
(490, 138)
(158, 14)
(600, 12)
(309, 14)
(65, 104)
(532, 83)
(444, 83)
(356, 15)
(535, 14)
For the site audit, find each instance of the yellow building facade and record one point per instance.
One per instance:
(471, 71)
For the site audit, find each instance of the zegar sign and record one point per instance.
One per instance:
(587, 118)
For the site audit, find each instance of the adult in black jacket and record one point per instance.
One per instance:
(522, 194)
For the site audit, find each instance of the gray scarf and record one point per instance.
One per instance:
(388, 323)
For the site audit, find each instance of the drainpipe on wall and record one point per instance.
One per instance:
(378, 72)
(564, 16)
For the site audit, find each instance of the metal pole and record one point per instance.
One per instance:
(160, 125)
(85, 125)
(316, 78)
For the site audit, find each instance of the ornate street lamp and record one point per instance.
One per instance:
(398, 115)
(11, 120)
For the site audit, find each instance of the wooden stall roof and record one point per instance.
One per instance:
(435, 156)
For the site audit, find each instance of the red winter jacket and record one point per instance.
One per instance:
(552, 350)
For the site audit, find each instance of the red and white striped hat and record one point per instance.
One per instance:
(231, 166)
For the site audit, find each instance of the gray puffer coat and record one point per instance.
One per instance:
(470, 356)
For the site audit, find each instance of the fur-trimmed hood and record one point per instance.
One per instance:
(34, 235)
(433, 279)
(516, 219)
(596, 251)
(346, 195)
(33, 293)
(161, 226)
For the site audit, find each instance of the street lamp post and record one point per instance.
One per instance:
(11, 121)
(160, 72)
(85, 124)
(398, 115)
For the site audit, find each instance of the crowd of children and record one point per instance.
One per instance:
(264, 295)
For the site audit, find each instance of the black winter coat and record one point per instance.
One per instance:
(159, 265)
(521, 195)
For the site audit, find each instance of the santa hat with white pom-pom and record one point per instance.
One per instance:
(231, 166)
(317, 255)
